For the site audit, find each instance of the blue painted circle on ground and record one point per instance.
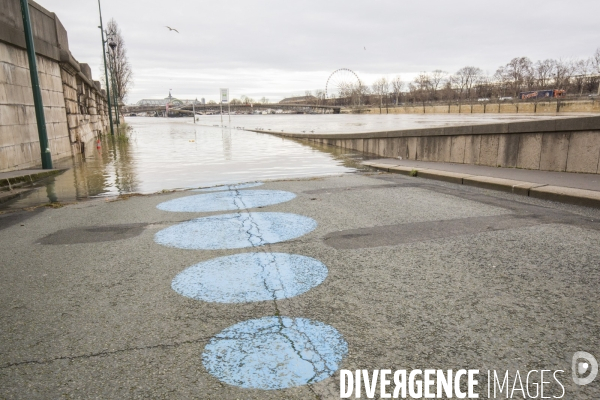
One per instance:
(248, 277)
(226, 201)
(230, 187)
(275, 353)
(235, 231)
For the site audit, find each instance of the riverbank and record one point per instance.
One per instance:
(550, 144)
(540, 107)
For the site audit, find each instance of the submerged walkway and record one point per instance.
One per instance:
(565, 187)
(15, 183)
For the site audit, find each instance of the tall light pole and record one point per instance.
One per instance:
(35, 86)
(112, 131)
(113, 68)
(194, 109)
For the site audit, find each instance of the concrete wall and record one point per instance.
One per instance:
(74, 106)
(564, 106)
(570, 144)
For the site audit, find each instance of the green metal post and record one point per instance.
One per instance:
(112, 131)
(114, 85)
(35, 86)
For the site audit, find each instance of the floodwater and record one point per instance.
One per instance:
(175, 153)
(350, 123)
(165, 154)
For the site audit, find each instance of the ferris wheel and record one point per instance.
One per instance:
(342, 82)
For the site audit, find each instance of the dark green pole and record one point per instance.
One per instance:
(114, 84)
(35, 86)
(112, 132)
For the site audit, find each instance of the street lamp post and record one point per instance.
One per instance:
(113, 68)
(112, 131)
(35, 86)
(194, 109)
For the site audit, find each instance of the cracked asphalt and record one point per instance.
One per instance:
(422, 274)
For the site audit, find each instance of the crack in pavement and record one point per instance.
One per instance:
(319, 365)
(275, 353)
(104, 353)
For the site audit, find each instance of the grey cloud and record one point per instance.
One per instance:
(400, 36)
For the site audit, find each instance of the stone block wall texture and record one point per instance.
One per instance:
(576, 150)
(546, 107)
(74, 106)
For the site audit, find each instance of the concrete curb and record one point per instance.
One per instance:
(580, 197)
(20, 180)
(453, 177)
(504, 185)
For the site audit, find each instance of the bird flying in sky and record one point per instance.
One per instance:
(171, 29)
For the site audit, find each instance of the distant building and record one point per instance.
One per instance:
(299, 100)
(167, 100)
(203, 101)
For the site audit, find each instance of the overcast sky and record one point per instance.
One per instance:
(279, 48)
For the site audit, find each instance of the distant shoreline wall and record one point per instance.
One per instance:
(562, 144)
(542, 107)
(74, 105)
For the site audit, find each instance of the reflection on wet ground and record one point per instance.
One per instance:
(163, 154)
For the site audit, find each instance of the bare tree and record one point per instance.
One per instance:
(466, 77)
(543, 72)
(121, 73)
(447, 91)
(484, 86)
(516, 73)
(581, 70)
(596, 60)
(563, 69)
(596, 64)
(246, 100)
(381, 88)
(397, 85)
(320, 95)
(360, 93)
(436, 80)
(422, 84)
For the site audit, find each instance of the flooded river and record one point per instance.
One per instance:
(164, 154)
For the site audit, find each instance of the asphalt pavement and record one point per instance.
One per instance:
(372, 271)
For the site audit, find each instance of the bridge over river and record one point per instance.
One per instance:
(239, 108)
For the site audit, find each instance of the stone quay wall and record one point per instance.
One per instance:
(533, 107)
(75, 107)
(563, 144)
